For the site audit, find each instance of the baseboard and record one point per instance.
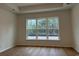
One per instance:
(54, 46)
(6, 49)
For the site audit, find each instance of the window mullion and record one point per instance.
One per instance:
(36, 30)
(47, 27)
(26, 30)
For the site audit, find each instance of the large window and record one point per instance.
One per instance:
(42, 28)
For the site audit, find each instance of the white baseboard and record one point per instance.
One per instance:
(6, 49)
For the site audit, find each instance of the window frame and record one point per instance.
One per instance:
(46, 28)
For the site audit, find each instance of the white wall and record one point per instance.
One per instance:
(7, 29)
(75, 23)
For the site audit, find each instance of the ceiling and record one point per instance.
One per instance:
(36, 7)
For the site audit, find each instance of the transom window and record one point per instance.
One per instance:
(42, 28)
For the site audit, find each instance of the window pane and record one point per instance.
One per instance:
(31, 29)
(41, 29)
(41, 23)
(42, 34)
(31, 24)
(53, 22)
(31, 34)
(52, 32)
(53, 28)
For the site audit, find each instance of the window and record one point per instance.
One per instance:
(42, 28)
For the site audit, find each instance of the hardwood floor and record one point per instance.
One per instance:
(39, 51)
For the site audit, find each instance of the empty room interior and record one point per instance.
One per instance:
(39, 29)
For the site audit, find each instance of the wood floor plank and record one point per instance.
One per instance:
(60, 52)
(70, 51)
(39, 51)
(52, 52)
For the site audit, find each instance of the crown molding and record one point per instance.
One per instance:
(14, 9)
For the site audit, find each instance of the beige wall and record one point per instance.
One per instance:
(75, 22)
(65, 29)
(7, 29)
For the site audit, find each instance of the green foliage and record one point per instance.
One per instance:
(51, 22)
